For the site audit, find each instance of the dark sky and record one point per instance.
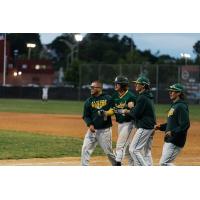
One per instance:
(167, 43)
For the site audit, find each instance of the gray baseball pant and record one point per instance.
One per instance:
(125, 135)
(140, 147)
(169, 153)
(103, 137)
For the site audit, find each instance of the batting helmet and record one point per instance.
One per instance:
(121, 80)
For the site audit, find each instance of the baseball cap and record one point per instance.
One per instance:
(177, 87)
(142, 80)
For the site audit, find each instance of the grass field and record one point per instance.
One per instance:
(18, 145)
(38, 106)
(71, 107)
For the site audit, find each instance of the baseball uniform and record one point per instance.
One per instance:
(102, 125)
(125, 125)
(144, 115)
(178, 123)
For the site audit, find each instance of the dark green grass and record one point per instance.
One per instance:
(38, 106)
(21, 145)
(71, 107)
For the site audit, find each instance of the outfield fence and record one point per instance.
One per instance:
(161, 76)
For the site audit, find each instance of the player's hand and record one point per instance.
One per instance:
(102, 113)
(91, 127)
(120, 111)
(168, 133)
(157, 127)
(126, 111)
(130, 104)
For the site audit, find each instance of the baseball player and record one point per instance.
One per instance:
(176, 127)
(144, 115)
(99, 131)
(45, 94)
(125, 124)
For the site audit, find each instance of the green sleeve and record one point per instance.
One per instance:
(183, 120)
(112, 102)
(137, 111)
(87, 114)
(132, 99)
(163, 127)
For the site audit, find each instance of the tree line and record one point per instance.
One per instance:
(95, 48)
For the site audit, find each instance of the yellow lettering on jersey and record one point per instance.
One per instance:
(121, 105)
(171, 112)
(99, 104)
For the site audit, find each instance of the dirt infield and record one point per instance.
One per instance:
(72, 125)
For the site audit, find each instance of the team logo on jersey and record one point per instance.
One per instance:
(99, 104)
(171, 112)
(120, 105)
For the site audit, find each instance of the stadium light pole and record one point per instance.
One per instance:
(71, 47)
(30, 46)
(4, 60)
(185, 56)
(79, 38)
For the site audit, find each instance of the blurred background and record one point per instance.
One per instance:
(66, 63)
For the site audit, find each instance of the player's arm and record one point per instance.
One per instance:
(110, 111)
(132, 102)
(87, 114)
(137, 111)
(87, 117)
(130, 105)
(161, 127)
(183, 120)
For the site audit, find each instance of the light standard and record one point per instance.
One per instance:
(30, 46)
(4, 61)
(186, 56)
(79, 38)
(71, 46)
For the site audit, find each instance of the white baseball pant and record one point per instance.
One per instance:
(125, 136)
(140, 147)
(169, 153)
(103, 137)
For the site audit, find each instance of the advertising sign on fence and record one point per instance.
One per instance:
(190, 76)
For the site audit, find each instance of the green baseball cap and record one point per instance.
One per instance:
(177, 87)
(142, 80)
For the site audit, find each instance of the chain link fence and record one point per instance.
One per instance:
(161, 76)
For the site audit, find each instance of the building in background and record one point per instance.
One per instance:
(25, 72)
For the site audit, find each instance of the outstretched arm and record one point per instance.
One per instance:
(137, 111)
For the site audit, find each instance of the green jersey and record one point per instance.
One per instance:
(121, 102)
(92, 106)
(178, 123)
(144, 112)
